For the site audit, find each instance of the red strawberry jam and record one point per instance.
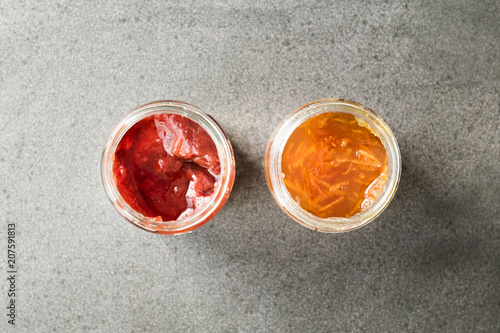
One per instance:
(166, 167)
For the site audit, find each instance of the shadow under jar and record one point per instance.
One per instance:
(333, 165)
(168, 167)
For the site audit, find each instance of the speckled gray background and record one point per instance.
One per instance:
(69, 70)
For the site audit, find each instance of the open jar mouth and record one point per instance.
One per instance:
(274, 154)
(225, 179)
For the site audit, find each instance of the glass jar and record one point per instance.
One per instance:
(274, 175)
(225, 179)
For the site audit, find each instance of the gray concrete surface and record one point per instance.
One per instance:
(69, 70)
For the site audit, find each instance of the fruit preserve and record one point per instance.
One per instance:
(168, 167)
(333, 165)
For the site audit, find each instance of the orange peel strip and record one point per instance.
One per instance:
(289, 149)
(353, 210)
(331, 204)
(348, 169)
(369, 156)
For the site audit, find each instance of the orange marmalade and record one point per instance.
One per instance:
(334, 165)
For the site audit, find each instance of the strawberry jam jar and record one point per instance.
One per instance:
(168, 167)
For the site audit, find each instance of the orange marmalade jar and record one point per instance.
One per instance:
(333, 165)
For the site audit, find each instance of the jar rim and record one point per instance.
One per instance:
(225, 181)
(279, 138)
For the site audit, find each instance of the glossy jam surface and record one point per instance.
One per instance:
(334, 166)
(166, 167)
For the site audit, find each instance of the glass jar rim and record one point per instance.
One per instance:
(274, 151)
(225, 181)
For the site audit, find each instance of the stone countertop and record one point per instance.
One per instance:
(430, 263)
